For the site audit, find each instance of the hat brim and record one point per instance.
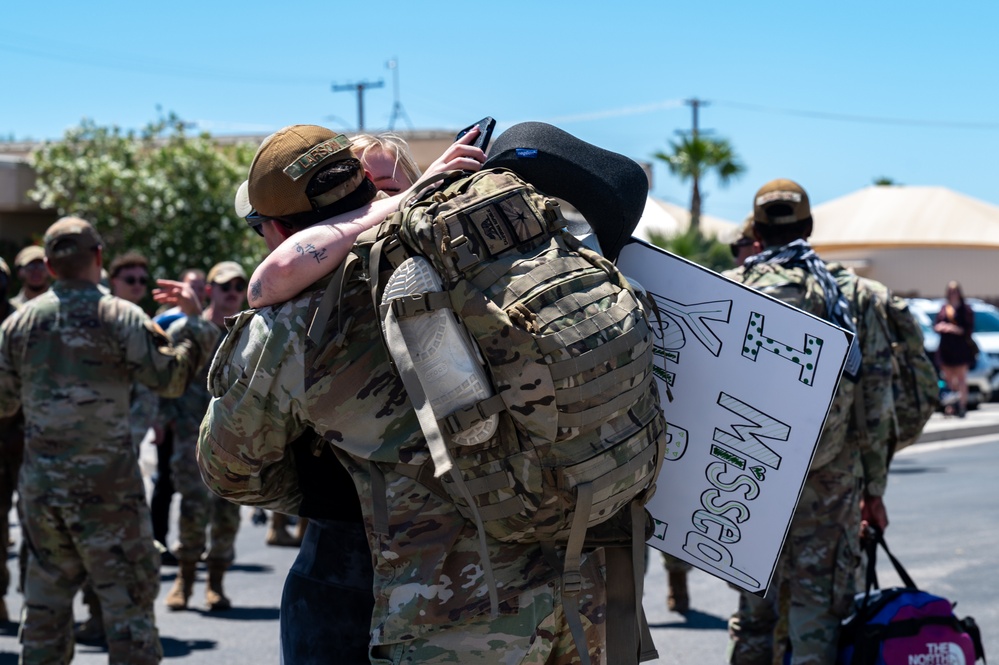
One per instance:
(242, 202)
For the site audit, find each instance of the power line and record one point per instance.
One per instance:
(867, 119)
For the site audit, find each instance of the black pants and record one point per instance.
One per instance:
(327, 601)
(159, 505)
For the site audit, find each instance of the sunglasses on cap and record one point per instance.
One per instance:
(236, 285)
(132, 280)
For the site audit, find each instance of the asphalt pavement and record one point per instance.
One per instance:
(248, 633)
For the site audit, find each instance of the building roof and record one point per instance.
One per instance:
(670, 219)
(904, 216)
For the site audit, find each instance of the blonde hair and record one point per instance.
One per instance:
(391, 144)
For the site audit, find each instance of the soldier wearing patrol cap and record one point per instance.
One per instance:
(200, 510)
(70, 358)
(430, 598)
(799, 619)
(30, 266)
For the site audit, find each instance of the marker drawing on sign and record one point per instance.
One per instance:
(807, 358)
(694, 317)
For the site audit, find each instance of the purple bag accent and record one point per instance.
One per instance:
(905, 626)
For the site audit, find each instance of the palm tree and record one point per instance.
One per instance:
(693, 158)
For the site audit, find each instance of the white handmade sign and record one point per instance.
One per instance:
(752, 380)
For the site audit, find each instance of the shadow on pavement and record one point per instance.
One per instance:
(169, 573)
(178, 648)
(241, 613)
(8, 658)
(695, 620)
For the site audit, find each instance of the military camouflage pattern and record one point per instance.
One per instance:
(70, 360)
(505, 640)
(144, 412)
(199, 508)
(568, 348)
(270, 384)
(915, 385)
(815, 577)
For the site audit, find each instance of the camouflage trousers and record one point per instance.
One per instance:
(538, 634)
(200, 510)
(11, 454)
(111, 542)
(813, 588)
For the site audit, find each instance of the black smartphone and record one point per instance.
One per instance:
(485, 132)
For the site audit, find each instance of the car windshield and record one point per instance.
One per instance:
(986, 321)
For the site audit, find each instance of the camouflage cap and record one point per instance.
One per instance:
(285, 163)
(71, 235)
(29, 254)
(224, 272)
(781, 201)
(4, 268)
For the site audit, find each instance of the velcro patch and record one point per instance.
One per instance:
(316, 155)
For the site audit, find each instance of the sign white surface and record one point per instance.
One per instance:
(752, 380)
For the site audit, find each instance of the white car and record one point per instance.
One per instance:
(983, 378)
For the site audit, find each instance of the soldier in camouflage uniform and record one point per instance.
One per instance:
(199, 508)
(70, 358)
(799, 619)
(11, 453)
(271, 383)
(30, 266)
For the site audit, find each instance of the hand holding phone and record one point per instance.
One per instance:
(485, 126)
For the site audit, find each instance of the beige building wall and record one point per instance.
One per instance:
(924, 271)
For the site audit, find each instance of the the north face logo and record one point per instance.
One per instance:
(939, 653)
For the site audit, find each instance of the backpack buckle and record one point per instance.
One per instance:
(572, 582)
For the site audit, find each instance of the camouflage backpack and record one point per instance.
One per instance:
(914, 378)
(566, 439)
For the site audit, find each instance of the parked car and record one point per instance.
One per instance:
(983, 378)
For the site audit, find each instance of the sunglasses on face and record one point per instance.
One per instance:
(131, 280)
(736, 247)
(236, 285)
(256, 221)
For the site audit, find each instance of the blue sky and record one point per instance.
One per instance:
(832, 95)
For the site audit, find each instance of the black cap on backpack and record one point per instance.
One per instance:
(608, 189)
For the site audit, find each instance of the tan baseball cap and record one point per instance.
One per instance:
(283, 166)
(224, 272)
(71, 235)
(788, 195)
(29, 254)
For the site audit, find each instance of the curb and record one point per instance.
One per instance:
(949, 433)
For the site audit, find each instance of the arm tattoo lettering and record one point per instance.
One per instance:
(310, 250)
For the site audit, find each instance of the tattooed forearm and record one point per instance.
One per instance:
(256, 290)
(310, 250)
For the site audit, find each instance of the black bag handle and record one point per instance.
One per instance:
(875, 537)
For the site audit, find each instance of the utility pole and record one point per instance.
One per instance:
(694, 105)
(360, 87)
(397, 109)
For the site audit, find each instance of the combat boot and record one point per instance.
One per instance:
(278, 534)
(4, 616)
(215, 597)
(183, 586)
(678, 600)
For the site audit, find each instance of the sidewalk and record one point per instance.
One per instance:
(981, 421)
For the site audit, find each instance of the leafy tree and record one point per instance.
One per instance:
(694, 157)
(160, 191)
(885, 181)
(694, 246)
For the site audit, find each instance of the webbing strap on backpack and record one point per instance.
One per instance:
(435, 440)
